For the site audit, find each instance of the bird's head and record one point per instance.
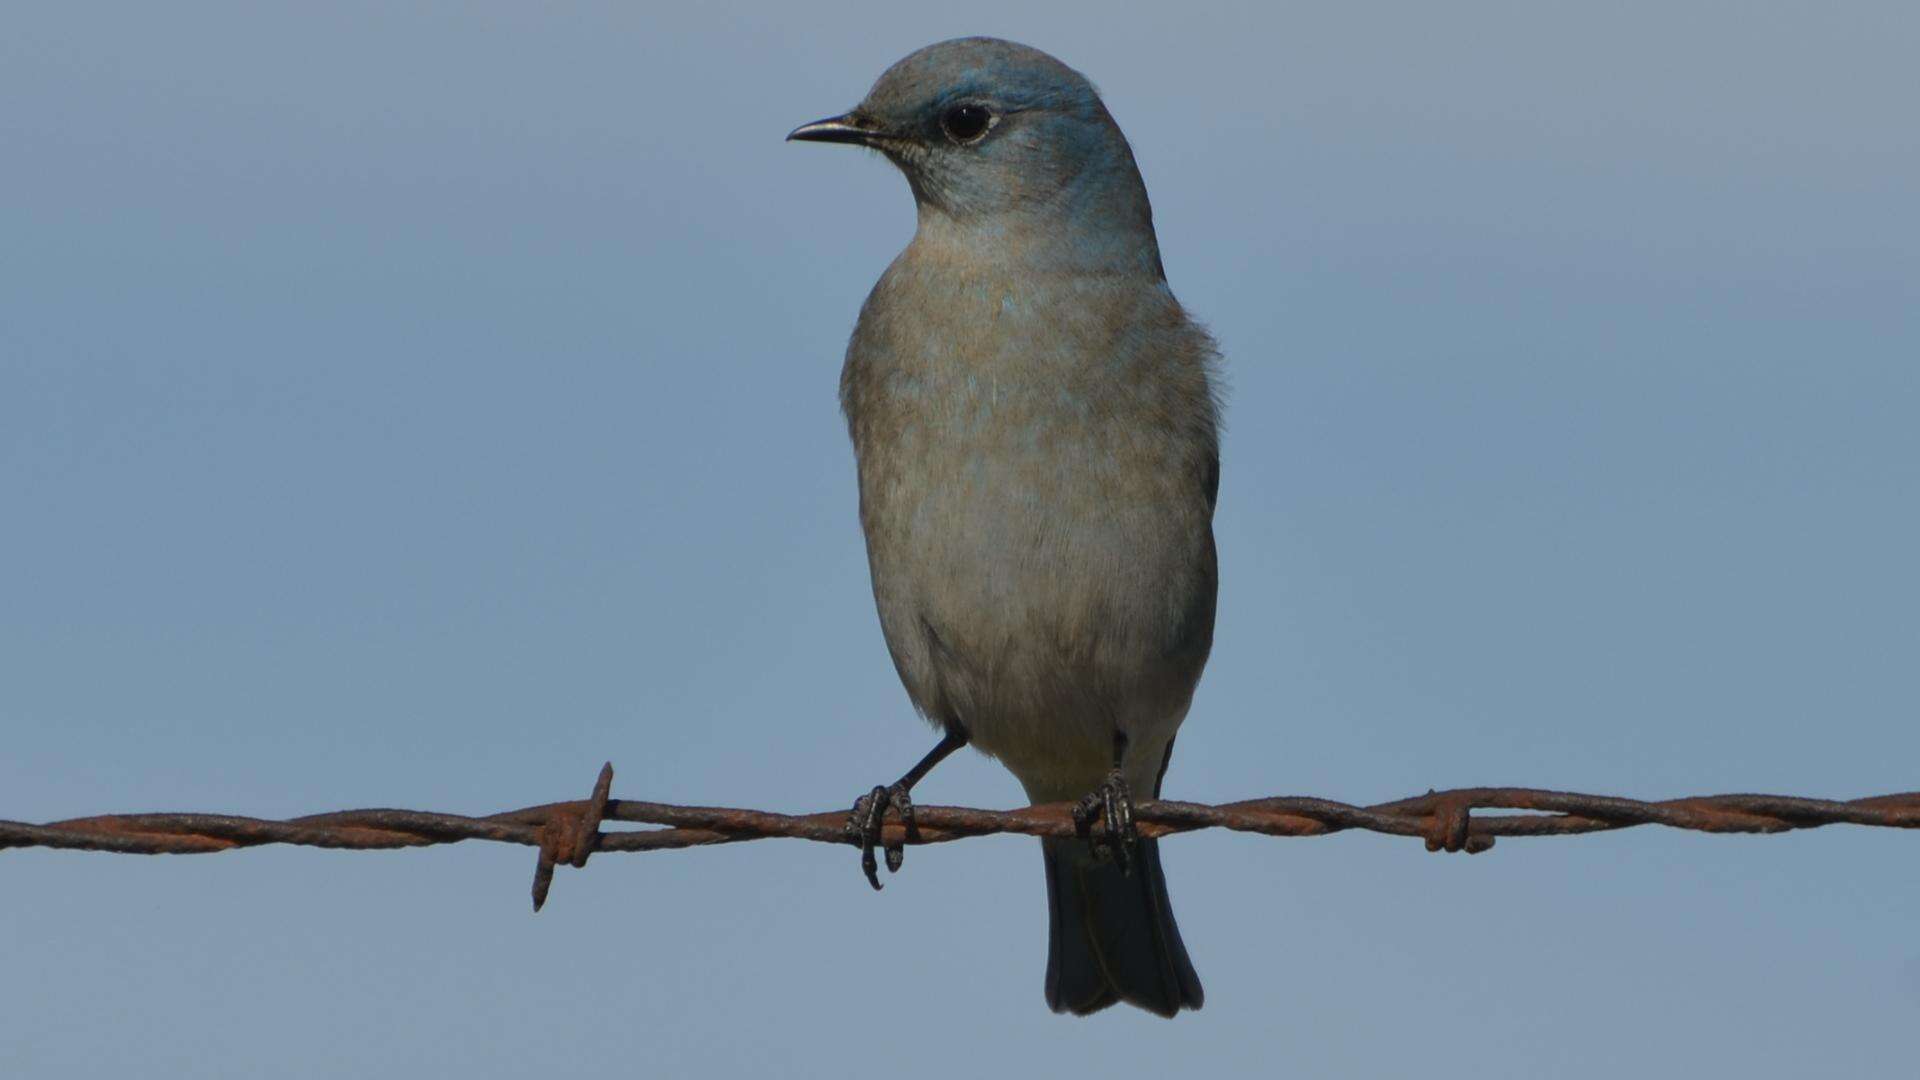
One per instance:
(985, 129)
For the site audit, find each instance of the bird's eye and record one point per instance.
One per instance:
(965, 123)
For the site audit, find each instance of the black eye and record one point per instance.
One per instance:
(965, 123)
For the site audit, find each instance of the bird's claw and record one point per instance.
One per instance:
(866, 827)
(1112, 805)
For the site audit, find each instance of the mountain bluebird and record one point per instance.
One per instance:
(1035, 425)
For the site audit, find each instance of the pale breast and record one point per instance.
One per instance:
(1035, 480)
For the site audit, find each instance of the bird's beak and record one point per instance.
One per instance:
(846, 128)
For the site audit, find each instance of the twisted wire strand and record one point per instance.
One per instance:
(569, 832)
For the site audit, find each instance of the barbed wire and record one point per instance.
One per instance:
(568, 832)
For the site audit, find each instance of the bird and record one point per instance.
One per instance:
(1035, 423)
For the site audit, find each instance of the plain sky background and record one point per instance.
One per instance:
(416, 406)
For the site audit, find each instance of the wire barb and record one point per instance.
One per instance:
(569, 832)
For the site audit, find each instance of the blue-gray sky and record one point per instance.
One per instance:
(418, 405)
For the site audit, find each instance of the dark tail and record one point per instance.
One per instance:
(1111, 936)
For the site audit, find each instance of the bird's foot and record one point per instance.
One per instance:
(1112, 805)
(866, 826)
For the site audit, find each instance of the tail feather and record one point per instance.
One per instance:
(1111, 936)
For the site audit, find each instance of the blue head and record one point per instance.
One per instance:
(1000, 140)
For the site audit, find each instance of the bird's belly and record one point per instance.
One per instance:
(1039, 588)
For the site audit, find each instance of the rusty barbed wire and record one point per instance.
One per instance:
(569, 832)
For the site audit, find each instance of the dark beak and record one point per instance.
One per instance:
(838, 129)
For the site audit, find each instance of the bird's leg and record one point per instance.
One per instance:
(864, 825)
(1112, 803)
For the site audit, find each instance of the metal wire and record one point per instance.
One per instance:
(569, 832)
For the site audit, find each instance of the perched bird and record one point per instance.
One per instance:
(1035, 424)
